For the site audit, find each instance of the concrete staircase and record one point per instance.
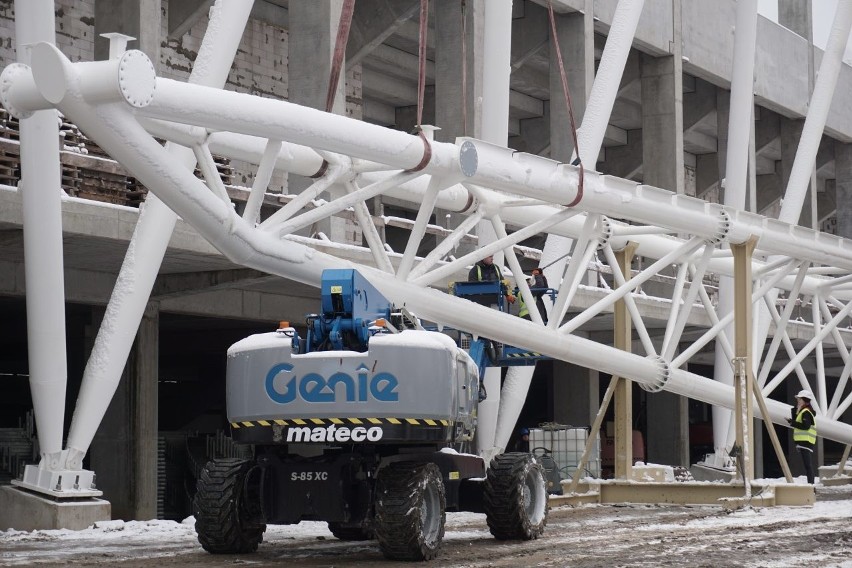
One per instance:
(16, 449)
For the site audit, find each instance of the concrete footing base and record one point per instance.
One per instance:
(26, 511)
(728, 495)
(702, 472)
(828, 475)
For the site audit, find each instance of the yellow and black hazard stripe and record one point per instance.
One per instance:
(524, 354)
(285, 430)
(341, 422)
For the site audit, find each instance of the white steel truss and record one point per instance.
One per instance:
(122, 105)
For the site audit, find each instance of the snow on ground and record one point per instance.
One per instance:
(614, 534)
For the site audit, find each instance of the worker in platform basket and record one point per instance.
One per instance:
(803, 420)
(486, 271)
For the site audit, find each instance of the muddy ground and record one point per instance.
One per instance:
(590, 536)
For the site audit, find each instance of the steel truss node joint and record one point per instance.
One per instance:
(723, 232)
(664, 373)
(605, 232)
(18, 92)
(130, 78)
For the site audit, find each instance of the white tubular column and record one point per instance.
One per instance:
(148, 245)
(41, 190)
(829, 69)
(496, 71)
(739, 121)
(495, 129)
(607, 80)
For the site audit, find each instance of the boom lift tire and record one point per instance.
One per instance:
(228, 518)
(354, 533)
(515, 498)
(410, 507)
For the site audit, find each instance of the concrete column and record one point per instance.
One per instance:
(662, 121)
(577, 43)
(137, 18)
(795, 15)
(449, 108)
(313, 32)
(449, 111)
(668, 429)
(124, 451)
(843, 188)
(576, 394)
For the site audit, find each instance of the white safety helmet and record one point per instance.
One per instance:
(805, 394)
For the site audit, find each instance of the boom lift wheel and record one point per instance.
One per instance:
(410, 510)
(515, 497)
(228, 517)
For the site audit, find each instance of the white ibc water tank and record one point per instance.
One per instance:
(566, 445)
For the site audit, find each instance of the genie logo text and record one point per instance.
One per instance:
(283, 387)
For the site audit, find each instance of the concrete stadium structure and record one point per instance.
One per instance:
(668, 129)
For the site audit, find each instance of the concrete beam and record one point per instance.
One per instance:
(270, 13)
(768, 190)
(378, 85)
(375, 21)
(697, 142)
(398, 63)
(176, 285)
(706, 173)
(698, 104)
(524, 106)
(378, 112)
(530, 33)
(563, 6)
(625, 161)
(843, 191)
(679, 493)
(137, 18)
(183, 15)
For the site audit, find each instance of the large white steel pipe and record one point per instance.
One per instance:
(156, 221)
(607, 80)
(293, 158)
(281, 120)
(491, 166)
(41, 189)
(433, 305)
(829, 69)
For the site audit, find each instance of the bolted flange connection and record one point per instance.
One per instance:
(137, 78)
(723, 229)
(604, 231)
(13, 75)
(664, 372)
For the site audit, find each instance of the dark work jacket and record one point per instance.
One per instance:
(482, 272)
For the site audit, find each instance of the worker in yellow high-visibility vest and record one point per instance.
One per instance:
(803, 420)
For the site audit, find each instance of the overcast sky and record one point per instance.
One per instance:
(823, 18)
